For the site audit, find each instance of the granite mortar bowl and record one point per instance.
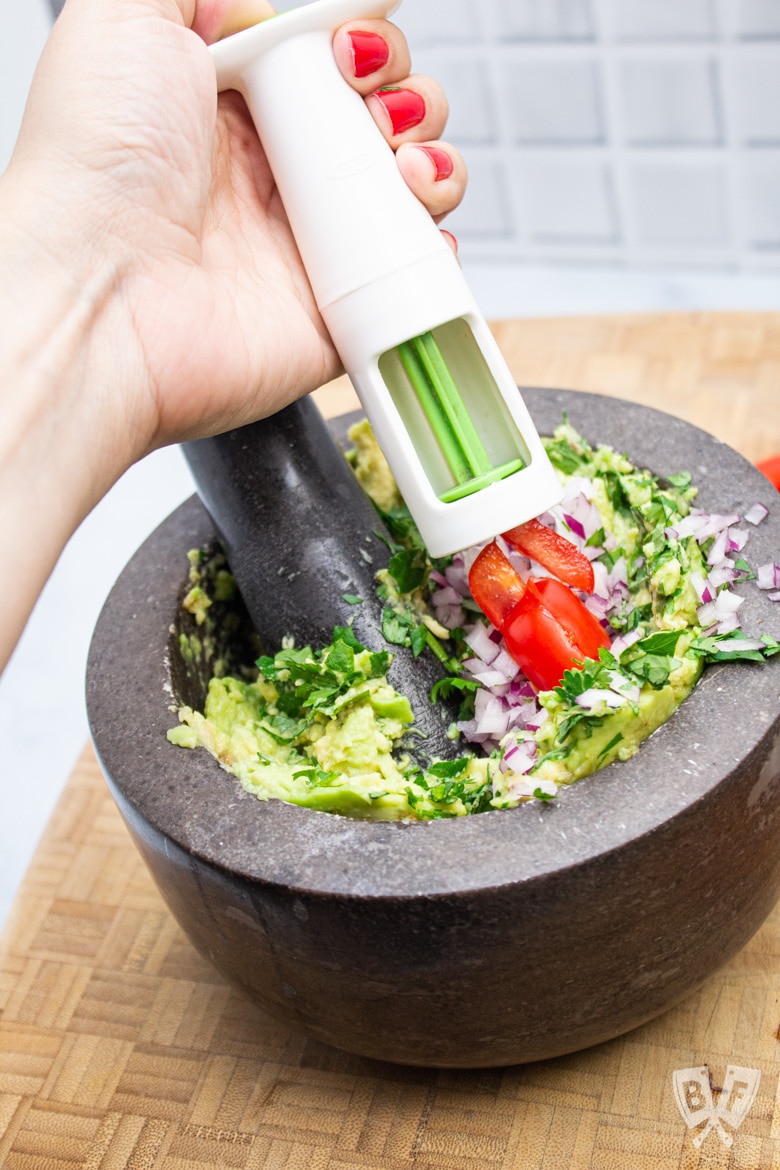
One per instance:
(497, 939)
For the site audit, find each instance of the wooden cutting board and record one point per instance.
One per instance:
(122, 1048)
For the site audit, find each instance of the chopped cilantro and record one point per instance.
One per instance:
(616, 739)
(726, 648)
(396, 627)
(408, 568)
(418, 640)
(446, 686)
(446, 769)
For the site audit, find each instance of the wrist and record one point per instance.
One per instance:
(63, 435)
(68, 352)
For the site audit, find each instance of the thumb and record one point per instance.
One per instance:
(214, 19)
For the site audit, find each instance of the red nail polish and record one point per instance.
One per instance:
(442, 163)
(369, 52)
(405, 108)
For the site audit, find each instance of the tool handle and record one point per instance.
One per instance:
(353, 217)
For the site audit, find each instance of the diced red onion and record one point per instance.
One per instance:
(729, 623)
(723, 574)
(737, 539)
(445, 596)
(768, 576)
(774, 596)
(701, 587)
(625, 686)
(709, 525)
(457, 578)
(725, 604)
(719, 548)
(623, 641)
(601, 581)
(599, 606)
(742, 644)
(539, 718)
(491, 679)
(451, 616)
(756, 514)
(519, 757)
(575, 526)
(596, 695)
(478, 639)
(505, 663)
(593, 553)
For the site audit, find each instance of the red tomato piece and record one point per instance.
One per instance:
(549, 631)
(581, 625)
(495, 584)
(557, 554)
(771, 469)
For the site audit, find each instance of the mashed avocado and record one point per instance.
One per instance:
(323, 727)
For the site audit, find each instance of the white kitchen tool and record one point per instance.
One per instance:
(431, 378)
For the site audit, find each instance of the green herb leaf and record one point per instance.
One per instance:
(409, 568)
(446, 769)
(419, 639)
(396, 627)
(725, 648)
(612, 744)
(446, 686)
(283, 728)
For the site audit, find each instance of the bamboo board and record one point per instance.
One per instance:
(121, 1049)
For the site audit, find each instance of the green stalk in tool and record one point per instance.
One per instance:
(440, 398)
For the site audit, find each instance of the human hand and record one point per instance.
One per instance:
(160, 206)
(150, 288)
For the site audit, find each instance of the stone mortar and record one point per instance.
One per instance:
(507, 937)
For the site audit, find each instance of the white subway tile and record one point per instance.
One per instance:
(670, 102)
(552, 101)
(544, 20)
(759, 19)
(484, 212)
(466, 82)
(662, 20)
(679, 205)
(761, 201)
(566, 199)
(757, 97)
(438, 22)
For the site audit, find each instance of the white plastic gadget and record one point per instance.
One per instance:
(429, 374)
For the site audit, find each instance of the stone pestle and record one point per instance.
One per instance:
(299, 533)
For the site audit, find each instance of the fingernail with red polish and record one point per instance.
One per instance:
(442, 163)
(453, 242)
(404, 107)
(369, 52)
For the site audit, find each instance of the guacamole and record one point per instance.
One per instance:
(323, 728)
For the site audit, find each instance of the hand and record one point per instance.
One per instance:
(151, 289)
(159, 202)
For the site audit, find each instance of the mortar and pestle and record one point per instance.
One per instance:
(489, 940)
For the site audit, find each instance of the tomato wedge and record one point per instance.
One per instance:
(495, 584)
(546, 627)
(557, 554)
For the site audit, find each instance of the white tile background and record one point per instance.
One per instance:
(624, 156)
